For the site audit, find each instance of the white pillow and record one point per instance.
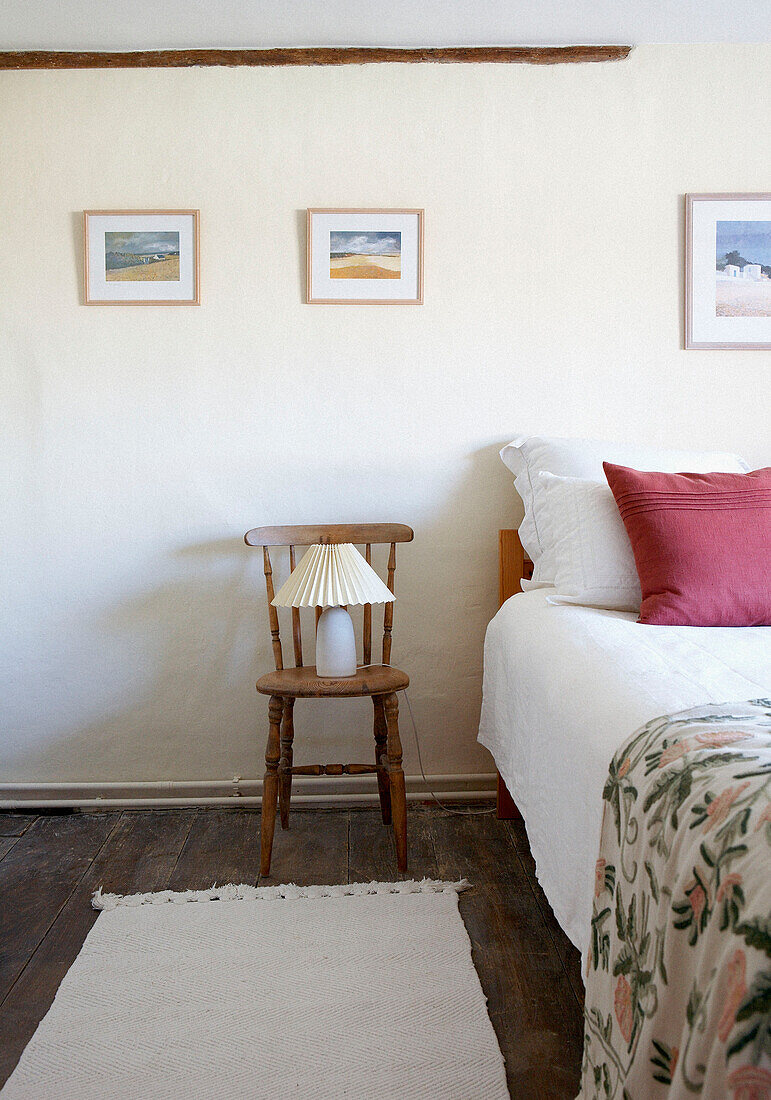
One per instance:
(594, 564)
(527, 456)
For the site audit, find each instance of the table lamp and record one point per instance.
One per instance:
(333, 576)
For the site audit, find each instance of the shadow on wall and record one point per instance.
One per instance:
(301, 220)
(178, 663)
(76, 224)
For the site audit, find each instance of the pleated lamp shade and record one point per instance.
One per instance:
(333, 575)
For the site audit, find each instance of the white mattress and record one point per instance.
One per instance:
(564, 686)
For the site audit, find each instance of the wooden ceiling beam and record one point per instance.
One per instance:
(354, 55)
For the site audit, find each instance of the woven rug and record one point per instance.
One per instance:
(321, 992)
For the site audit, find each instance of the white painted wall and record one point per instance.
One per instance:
(148, 25)
(143, 442)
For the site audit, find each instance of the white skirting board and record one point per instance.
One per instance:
(344, 790)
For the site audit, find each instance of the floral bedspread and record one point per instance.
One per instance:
(678, 991)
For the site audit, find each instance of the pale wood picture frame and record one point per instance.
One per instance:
(407, 223)
(182, 290)
(705, 328)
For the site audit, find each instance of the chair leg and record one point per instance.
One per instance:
(396, 780)
(270, 783)
(381, 759)
(285, 764)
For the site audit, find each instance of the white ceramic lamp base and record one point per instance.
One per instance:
(335, 644)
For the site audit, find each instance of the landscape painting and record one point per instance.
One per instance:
(141, 257)
(743, 269)
(728, 271)
(358, 256)
(367, 255)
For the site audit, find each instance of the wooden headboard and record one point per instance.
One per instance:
(514, 565)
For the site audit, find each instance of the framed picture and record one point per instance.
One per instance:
(728, 271)
(141, 257)
(365, 256)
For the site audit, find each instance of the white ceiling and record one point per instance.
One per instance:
(158, 24)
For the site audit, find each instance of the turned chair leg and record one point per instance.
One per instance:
(381, 758)
(270, 783)
(396, 780)
(285, 763)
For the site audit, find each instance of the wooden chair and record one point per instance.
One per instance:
(380, 682)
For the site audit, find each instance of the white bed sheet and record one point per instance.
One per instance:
(564, 686)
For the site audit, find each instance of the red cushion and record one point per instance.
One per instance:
(701, 544)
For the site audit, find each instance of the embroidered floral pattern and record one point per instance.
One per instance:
(672, 753)
(718, 808)
(599, 877)
(736, 969)
(716, 738)
(750, 1083)
(679, 965)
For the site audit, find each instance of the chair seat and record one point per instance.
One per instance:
(306, 682)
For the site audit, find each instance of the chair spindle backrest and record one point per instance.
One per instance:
(367, 622)
(275, 631)
(368, 534)
(297, 637)
(388, 613)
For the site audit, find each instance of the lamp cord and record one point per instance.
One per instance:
(442, 805)
(449, 809)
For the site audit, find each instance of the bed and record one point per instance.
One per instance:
(564, 687)
(552, 738)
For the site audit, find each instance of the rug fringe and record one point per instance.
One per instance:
(288, 891)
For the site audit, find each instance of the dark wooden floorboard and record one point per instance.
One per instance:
(570, 955)
(222, 846)
(527, 967)
(312, 851)
(15, 824)
(37, 877)
(139, 855)
(521, 971)
(528, 996)
(372, 850)
(476, 846)
(6, 843)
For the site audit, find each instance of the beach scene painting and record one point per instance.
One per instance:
(743, 269)
(141, 257)
(365, 255)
